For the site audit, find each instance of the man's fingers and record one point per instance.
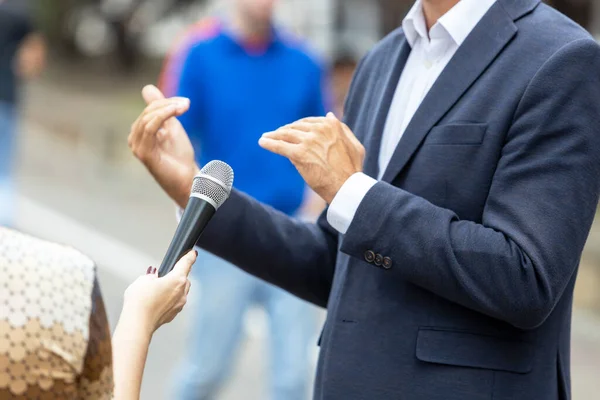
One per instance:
(153, 117)
(151, 93)
(150, 135)
(280, 147)
(182, 104)
(350, 135)
(289, 135)
(159, 117)
(306, 126)
(345, 130)
(184, 265)
(133, 133)
(312, 120)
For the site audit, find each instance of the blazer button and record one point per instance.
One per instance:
(379, 260)
(387, 263)
(369, 256)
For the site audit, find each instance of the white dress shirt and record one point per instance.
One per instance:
(430, 53)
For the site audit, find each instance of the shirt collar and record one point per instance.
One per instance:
(458, 22)
(414, 25)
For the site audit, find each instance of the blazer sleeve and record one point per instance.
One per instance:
(516, 264)
(294, 255)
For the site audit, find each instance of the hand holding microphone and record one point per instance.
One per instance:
(150, 301)
(211, 187)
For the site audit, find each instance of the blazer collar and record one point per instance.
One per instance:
(487, 40)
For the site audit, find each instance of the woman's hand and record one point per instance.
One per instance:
(150, 302)
(156, 301)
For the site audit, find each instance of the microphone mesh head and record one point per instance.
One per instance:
(214, 182)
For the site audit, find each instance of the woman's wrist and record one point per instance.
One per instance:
(135, 319)
(130, 341)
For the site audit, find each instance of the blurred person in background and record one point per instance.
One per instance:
(580, 11)
(244, 77)
(56, 342)
(341, 77)
(22, 56)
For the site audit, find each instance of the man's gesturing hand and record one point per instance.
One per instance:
(159, 141)
(324, 151)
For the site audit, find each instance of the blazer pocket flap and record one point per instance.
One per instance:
(457, 134)
(473, 350)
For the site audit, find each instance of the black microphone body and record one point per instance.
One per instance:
(210, 189)
(196, 216)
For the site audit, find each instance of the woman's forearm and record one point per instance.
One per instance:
(130, 347)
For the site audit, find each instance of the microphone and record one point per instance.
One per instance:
(211, 187)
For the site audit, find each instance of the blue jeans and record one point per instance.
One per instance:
(225, 295)
(8, 118)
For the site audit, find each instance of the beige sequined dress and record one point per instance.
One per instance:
(54, 334)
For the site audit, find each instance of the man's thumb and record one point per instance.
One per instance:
(151, 93)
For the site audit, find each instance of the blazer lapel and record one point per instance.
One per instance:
(471, 59)
(373, 139)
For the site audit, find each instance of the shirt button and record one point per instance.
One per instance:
(379, 260)
(387, 263)
(369, 256)
(428, 64)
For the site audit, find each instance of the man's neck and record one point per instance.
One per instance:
(434, 9)
(249, 31)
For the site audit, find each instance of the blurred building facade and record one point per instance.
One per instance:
(100, 27)
(348, 25)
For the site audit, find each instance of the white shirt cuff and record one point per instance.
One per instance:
(345, 203)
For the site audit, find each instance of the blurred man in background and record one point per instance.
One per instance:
(580, 11)
(22, 56)
(343, 69)
(244, 77)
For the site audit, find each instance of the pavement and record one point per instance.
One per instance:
(78, 184)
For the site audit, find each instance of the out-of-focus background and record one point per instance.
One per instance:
(77, 181)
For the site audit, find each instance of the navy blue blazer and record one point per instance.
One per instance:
(483, 213)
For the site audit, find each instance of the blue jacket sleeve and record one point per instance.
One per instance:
(319, 101)
(515, 265)
(190, 85)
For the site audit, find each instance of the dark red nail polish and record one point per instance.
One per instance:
(196, 251)
(149, 271)
(154, 271)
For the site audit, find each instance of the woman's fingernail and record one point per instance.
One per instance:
(149, 270)
(196, 251)
(154, 271)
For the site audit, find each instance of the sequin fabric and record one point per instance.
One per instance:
(54, 333)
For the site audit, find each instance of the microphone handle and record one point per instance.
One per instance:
(196, 216)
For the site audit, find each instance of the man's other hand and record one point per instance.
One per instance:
(159, 141)
(323, 149)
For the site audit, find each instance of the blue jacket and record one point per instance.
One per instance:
(484, 211)
(236, 95)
